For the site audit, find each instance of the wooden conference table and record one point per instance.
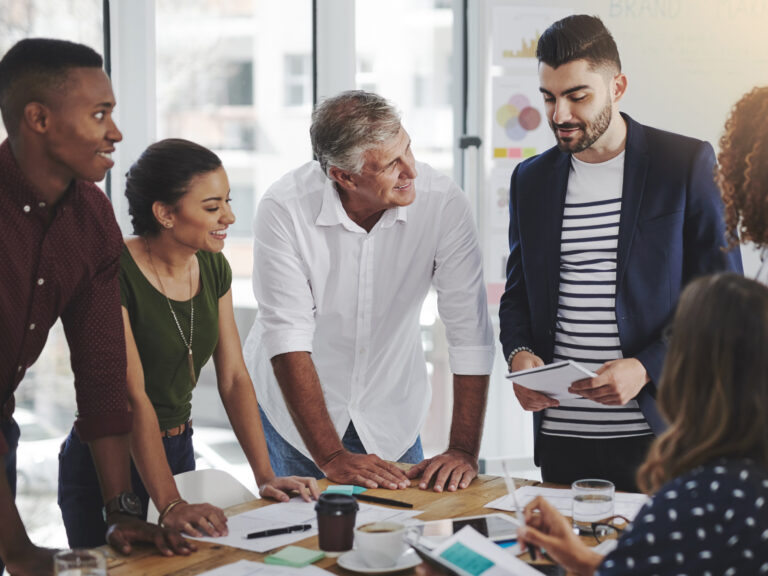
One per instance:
(468, 502)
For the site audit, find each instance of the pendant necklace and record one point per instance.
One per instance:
(188, 345)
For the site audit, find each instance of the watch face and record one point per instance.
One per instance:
(130, 504)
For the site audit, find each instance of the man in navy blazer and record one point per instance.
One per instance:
(605, 230)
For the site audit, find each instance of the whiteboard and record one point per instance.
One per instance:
(687, 61)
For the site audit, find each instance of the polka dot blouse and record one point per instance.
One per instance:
(711, 521)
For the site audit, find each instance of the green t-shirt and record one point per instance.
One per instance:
(163, 354)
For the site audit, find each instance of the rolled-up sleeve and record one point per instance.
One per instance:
(461, 297)
(281, 283)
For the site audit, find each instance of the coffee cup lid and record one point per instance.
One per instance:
(332, 503)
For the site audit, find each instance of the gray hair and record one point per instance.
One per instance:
(349, 124)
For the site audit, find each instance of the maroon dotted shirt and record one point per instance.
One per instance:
(66, 269)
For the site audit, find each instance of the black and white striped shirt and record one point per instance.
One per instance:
(586, 329)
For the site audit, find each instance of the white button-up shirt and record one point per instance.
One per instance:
(353, 298)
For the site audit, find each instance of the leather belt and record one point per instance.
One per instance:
(171, 432)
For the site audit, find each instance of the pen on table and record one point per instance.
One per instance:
(387, 501)
(511, 489)
(278, 531)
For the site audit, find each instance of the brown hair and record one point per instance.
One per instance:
(714, 386)
(742, 172)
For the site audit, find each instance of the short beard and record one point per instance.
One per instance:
(592, 131)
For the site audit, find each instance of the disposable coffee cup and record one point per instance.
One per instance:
(380, 544)
(593, 501)
(336, 522)
(79, 562)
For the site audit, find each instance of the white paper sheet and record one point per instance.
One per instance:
(625, 503)
(295, 511)
(250, 568)
(552, 380)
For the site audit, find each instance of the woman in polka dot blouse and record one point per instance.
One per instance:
(709, 471)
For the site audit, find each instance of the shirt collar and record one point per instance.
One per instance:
(21, 191)
(332, 212)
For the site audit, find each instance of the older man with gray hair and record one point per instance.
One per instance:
(346, 249)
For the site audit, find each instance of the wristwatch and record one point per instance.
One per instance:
(124, 503)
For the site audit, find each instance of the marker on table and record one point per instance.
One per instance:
(386, 501)
(511, 489)
(279, 531)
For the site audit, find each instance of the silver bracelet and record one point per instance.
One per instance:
(515, 351)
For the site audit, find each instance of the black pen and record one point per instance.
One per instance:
(378, 500)
(278, 531)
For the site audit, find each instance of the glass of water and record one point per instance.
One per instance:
(593, 501)
(79, 562)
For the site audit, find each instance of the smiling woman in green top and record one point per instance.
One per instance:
(177, 312)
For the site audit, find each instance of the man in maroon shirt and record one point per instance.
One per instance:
(59, 254)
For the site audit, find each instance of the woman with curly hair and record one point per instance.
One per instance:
(742, 173)
(709, 470)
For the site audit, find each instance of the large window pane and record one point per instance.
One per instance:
(236, 76)
(46, 398)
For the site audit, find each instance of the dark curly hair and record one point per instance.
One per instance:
(742, 172)
(162, 174)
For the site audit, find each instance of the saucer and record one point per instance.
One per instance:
(352, 561)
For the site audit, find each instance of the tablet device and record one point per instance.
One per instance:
(497, 527)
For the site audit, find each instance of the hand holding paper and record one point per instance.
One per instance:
(616, 383)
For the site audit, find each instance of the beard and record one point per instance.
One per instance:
(590, 131)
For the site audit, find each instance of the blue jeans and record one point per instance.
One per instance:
(10, 432)
(288, 461)
(80, 493)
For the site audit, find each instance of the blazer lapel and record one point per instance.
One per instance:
(554, 220)
(635, 172)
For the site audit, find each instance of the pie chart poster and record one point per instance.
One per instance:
(519, 126)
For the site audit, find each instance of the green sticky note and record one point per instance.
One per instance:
(466, 559)
(345, 489)
(295, 556)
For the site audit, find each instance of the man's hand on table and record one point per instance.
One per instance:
(546, 528)
(451, 470)
(280, 487)
(32, 561)
(123, 530)
(364, 470)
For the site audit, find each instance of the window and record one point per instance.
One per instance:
(219, 91)
(298, 80)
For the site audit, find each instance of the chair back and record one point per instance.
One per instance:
(213, 486)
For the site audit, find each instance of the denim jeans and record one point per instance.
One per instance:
(10, 432)
(80, 494)
(288, 461)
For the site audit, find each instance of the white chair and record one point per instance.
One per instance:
(209, 485)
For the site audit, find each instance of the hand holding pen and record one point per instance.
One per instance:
(547, 529)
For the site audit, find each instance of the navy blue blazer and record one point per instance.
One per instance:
(671, 229)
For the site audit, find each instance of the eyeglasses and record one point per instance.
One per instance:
(609, 528)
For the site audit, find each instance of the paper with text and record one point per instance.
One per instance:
(295, 511)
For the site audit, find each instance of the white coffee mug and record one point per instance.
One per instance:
(380, 544)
